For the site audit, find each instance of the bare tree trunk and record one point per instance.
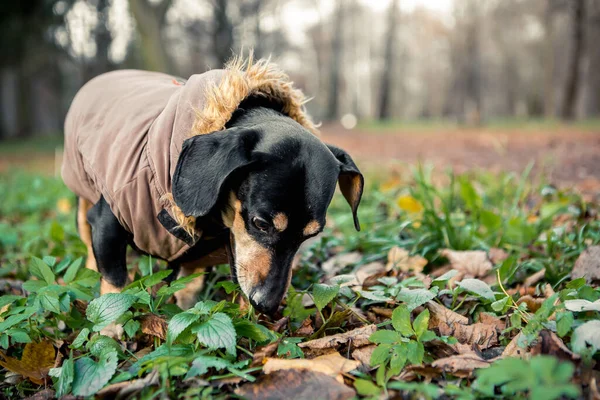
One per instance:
(385, 100)
(577, 50)
(336, 61)
(150, 21)
(222, 33)
(549, 102)
(473, 68)
(592, 107)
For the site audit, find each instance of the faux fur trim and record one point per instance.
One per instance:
(244, 78)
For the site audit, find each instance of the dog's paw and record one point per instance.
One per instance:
(113, 330)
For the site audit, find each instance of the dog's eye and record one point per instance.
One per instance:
(261, 224)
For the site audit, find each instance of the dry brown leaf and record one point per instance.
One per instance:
(549, 343)
(384, 312)
(514, 350)
(490, 319)
(306, 329)
(154, 325)
(357, 337)
(469, 264)
(363, 355)
(588, 265)
(45, 394)
(332, 364)
(449, 323)
(497, 255)
(368, 274)
(461, 365)
(340, 261)
(399, 258)
(535, 278)
(297, 385)
(125, 389)
(263, 352)
(35, 363)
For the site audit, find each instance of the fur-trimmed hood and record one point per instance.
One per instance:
(125, 130)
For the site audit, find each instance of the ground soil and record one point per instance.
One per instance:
(565, 157)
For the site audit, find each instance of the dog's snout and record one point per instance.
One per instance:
(264, 300)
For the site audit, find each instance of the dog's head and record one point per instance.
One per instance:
(271, 185)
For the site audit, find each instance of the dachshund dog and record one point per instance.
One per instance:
(247, 194)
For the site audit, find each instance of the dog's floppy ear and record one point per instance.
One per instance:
(351, 181)
(205, 162)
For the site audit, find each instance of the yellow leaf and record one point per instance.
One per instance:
(35, 363)
(409, 204)
(63, 205)
(390, 184)
(332, 364)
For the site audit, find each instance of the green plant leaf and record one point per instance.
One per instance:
(65, 375)
(107, 308)
(156, 278)
(380, 355)
(385, 336)
(8, 299)
(91, 376)
(72, 271)
(288, 347)
(323, 294)
(49, 301)
(477, 287)
(217, 332)
(500, 305)
(250, 330)
(414, 298)
(398, 359)
(415, 352)
(131, 327)
(201, 364)
(564, 323)
(366, 388)
(581, 305)
(80, 339)
(401, 321)
(178, 323)
(41, 270)
(421, 323)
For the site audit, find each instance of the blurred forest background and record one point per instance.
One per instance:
(466, 61)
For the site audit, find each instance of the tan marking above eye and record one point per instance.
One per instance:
(311, 228)
(280, 221)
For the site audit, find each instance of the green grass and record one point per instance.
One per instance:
(44, 290)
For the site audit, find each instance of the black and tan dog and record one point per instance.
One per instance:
(225, 167)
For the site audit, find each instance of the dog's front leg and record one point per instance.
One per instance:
(109, 244)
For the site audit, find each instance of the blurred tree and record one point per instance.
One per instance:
(577, 11)
(592, 81)
(335, 66)
(389, 70)
(222, 34)
(150, 20)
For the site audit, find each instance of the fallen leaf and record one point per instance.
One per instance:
(263, 352)
(384, 312)
(399, 258)
(332, 364)
(35, 363)
(490, 319)
(535, 278)
(357, 337)
(461, 365)
(129, 388)
(340, 261)
(306, 329)
(45, 394)
(497, 255)
(514, 350)
(363, 354)
(297, 385)
(409, 204)
(586, 335)
(588, 265)
(63, 205)
(154, 325)
(582, 305)
(366, 275)
(469, 264)
(449, 323)
(533, 303)
(549, 343)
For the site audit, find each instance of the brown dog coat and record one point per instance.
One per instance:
(124, 133)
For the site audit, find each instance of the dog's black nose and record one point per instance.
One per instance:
(264, 301)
